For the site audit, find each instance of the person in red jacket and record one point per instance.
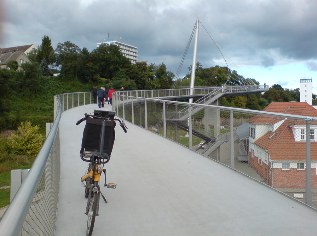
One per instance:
(110, 92)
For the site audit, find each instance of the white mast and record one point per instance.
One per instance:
(192, 80)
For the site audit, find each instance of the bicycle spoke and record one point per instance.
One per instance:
(93, 205)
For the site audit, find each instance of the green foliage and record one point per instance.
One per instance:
(68, 57)
(13, 65)
(46, 51)
(4, 197)
(31, 78)
(26, 141)
(277, 94)
(4, 90)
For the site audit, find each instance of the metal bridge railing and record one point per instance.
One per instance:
(223, 135)
(160, 93)
(33, 209)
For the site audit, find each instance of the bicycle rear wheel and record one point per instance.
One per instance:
(91, 212)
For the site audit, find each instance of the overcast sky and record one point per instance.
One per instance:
(272, 41)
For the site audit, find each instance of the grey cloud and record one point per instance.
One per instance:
(243, 29)
(312, 65)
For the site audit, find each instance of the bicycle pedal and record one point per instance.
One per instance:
(111, 185)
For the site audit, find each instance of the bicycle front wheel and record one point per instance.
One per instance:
(91, 213)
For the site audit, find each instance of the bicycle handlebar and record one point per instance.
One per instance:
(81, 120)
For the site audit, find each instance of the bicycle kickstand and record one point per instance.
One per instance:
(105, 173)
(103, 197)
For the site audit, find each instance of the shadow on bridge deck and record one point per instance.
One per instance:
(166, 189)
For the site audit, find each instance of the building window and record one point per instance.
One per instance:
(252, 132)
(312, 134)
(302, 134)
(285, 166)
(300, 166)
(299, 195)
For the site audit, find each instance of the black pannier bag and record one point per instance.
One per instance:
(92, 135)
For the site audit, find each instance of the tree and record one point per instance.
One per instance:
(163, 77)
(278, 94)
(26, 141)
(68, 58)
(13, 65)
(46, 51)
(4, 92)
(108, 60)
(86, 66)
(31, 77)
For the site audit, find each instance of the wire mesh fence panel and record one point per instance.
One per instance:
(139, 113)
(41, 216)
(128, 111)
(273, 148)
(155, 117)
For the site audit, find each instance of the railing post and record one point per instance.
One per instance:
(176, 128)
(67, 100)
(308, 195)
(145, 114)
(73, 100)
(84, 98)
(190, 129)
(78, 99)
(132, 108)
(123, 110)
(231, 140)
(117, 102)
(55, 106)
(164, 118)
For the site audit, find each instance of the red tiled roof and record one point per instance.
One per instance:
(281, 144)
(292, 108)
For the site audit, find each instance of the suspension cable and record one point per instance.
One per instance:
(231, 78)
(218, 47)
(179, 68)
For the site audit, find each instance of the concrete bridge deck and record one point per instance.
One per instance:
(166, 189)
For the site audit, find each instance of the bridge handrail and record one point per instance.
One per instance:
(160, 93)
(12, 222)
(23, 215)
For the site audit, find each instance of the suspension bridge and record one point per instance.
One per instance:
(164, 187)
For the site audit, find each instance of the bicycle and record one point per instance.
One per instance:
(97, 144)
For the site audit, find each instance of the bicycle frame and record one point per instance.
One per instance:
(97, 159)
(92, 179)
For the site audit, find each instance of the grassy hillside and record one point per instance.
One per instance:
(36, 108)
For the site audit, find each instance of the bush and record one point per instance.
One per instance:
(27, 140)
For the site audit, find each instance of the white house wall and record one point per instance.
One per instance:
(297, 132)
(260, 153)
(278, 124)
(260, 130)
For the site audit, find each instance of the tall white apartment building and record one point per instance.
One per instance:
(305, 90)
(129, 51)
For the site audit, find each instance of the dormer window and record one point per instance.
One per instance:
(303, 134)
